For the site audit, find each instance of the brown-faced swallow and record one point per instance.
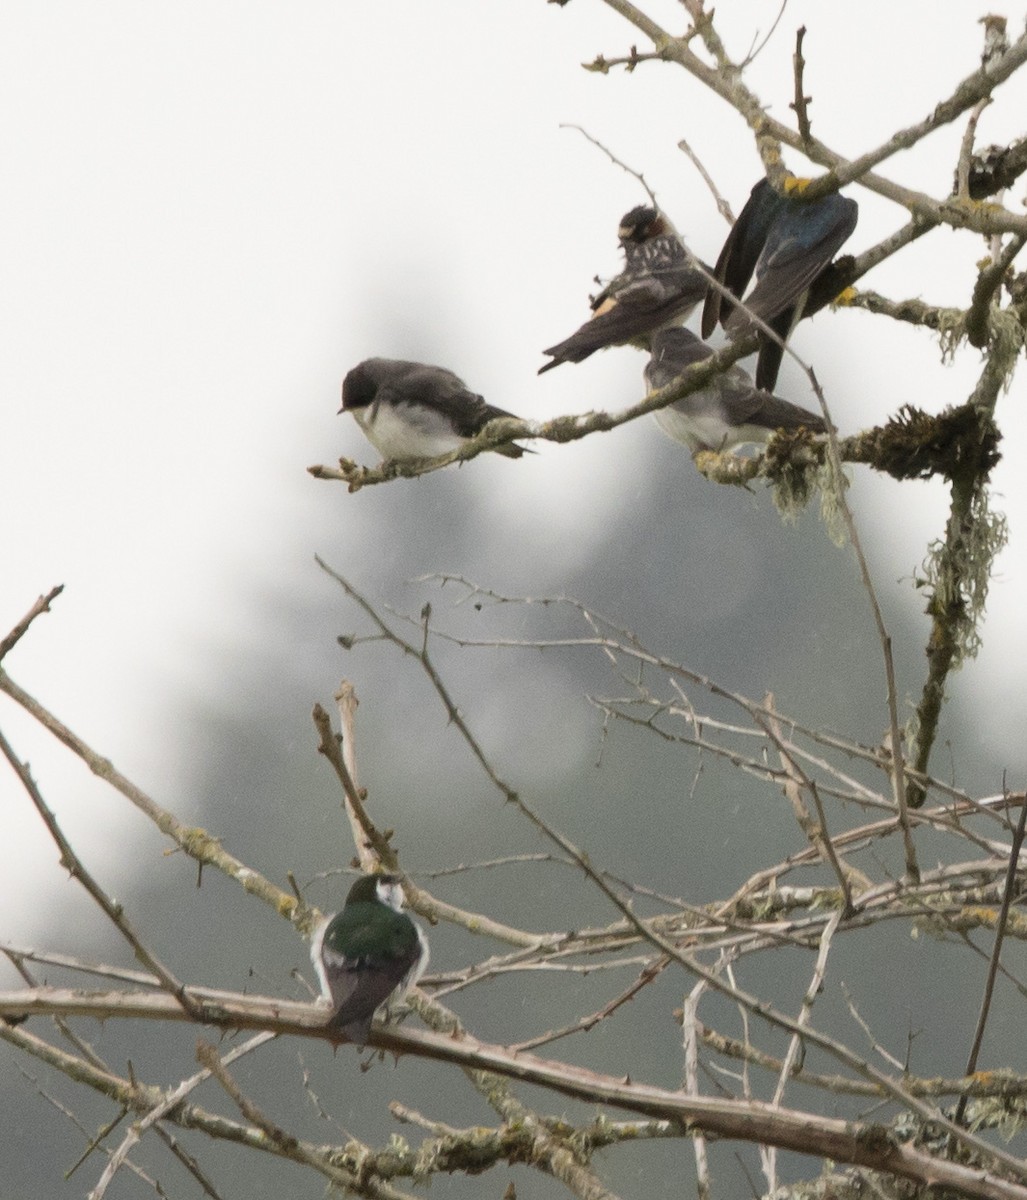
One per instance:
(660, 285)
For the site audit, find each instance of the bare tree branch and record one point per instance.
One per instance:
(197, 843)
(75, 867)
(615, 160)
(996, 953)
(42, 605)
(843, 1141)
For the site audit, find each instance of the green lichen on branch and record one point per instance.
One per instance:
(918, 445)
(791, 463)
(469, 1151)
(957, 570)
(957, 574)
(794, 464)
(912, 445)
(946, 321)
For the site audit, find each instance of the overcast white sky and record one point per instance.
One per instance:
(212, 211)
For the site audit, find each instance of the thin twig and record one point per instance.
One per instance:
(646, 931)
(42, 605)
(159, 1111)
(801, 99)
(898, 777)
(816, 983)
(287, 1142)
(723, 207)
(996, 953)
(76, 868)
(346, 699)
(817, 831)
(615, 160)
(419, 900)
(864, 1025)
(372, 847)
(584, 1024)
(966, 149)
(689, 1026)
(758, 50)
(197, 843)
(52, 958)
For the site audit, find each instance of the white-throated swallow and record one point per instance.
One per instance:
(411, 410)
(660, 285)
(366, 953)
(729, 411)
(789, 243)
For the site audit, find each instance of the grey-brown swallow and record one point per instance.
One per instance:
(728, 411)
(412, 410)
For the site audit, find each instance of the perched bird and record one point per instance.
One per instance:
(660, 285)
(410, 410)
(789, 244)
(367, 952)
(728, 411)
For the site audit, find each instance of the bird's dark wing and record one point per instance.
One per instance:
(772, 351)
(634, 305)
(440, 390)
(446, 393)
(776, 413)
(804, 239)
(358, 987)
(741, 252)
(747, 405)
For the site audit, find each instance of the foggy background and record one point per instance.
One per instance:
(211, 213)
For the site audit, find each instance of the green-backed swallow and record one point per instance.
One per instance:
(366, 953)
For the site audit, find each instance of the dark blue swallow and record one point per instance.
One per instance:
(789, 244)
(660, 285)
(728, 411)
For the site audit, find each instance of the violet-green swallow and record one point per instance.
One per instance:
(660, 285)
(789, 243)
(411, 410)
(367, 952)
(728, 411)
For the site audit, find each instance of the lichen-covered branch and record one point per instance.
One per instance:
(957, 572)
(809, 1133)
(725, 79)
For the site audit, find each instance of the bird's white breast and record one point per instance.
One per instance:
(706, 428)
(407, 431)
(316, 944)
